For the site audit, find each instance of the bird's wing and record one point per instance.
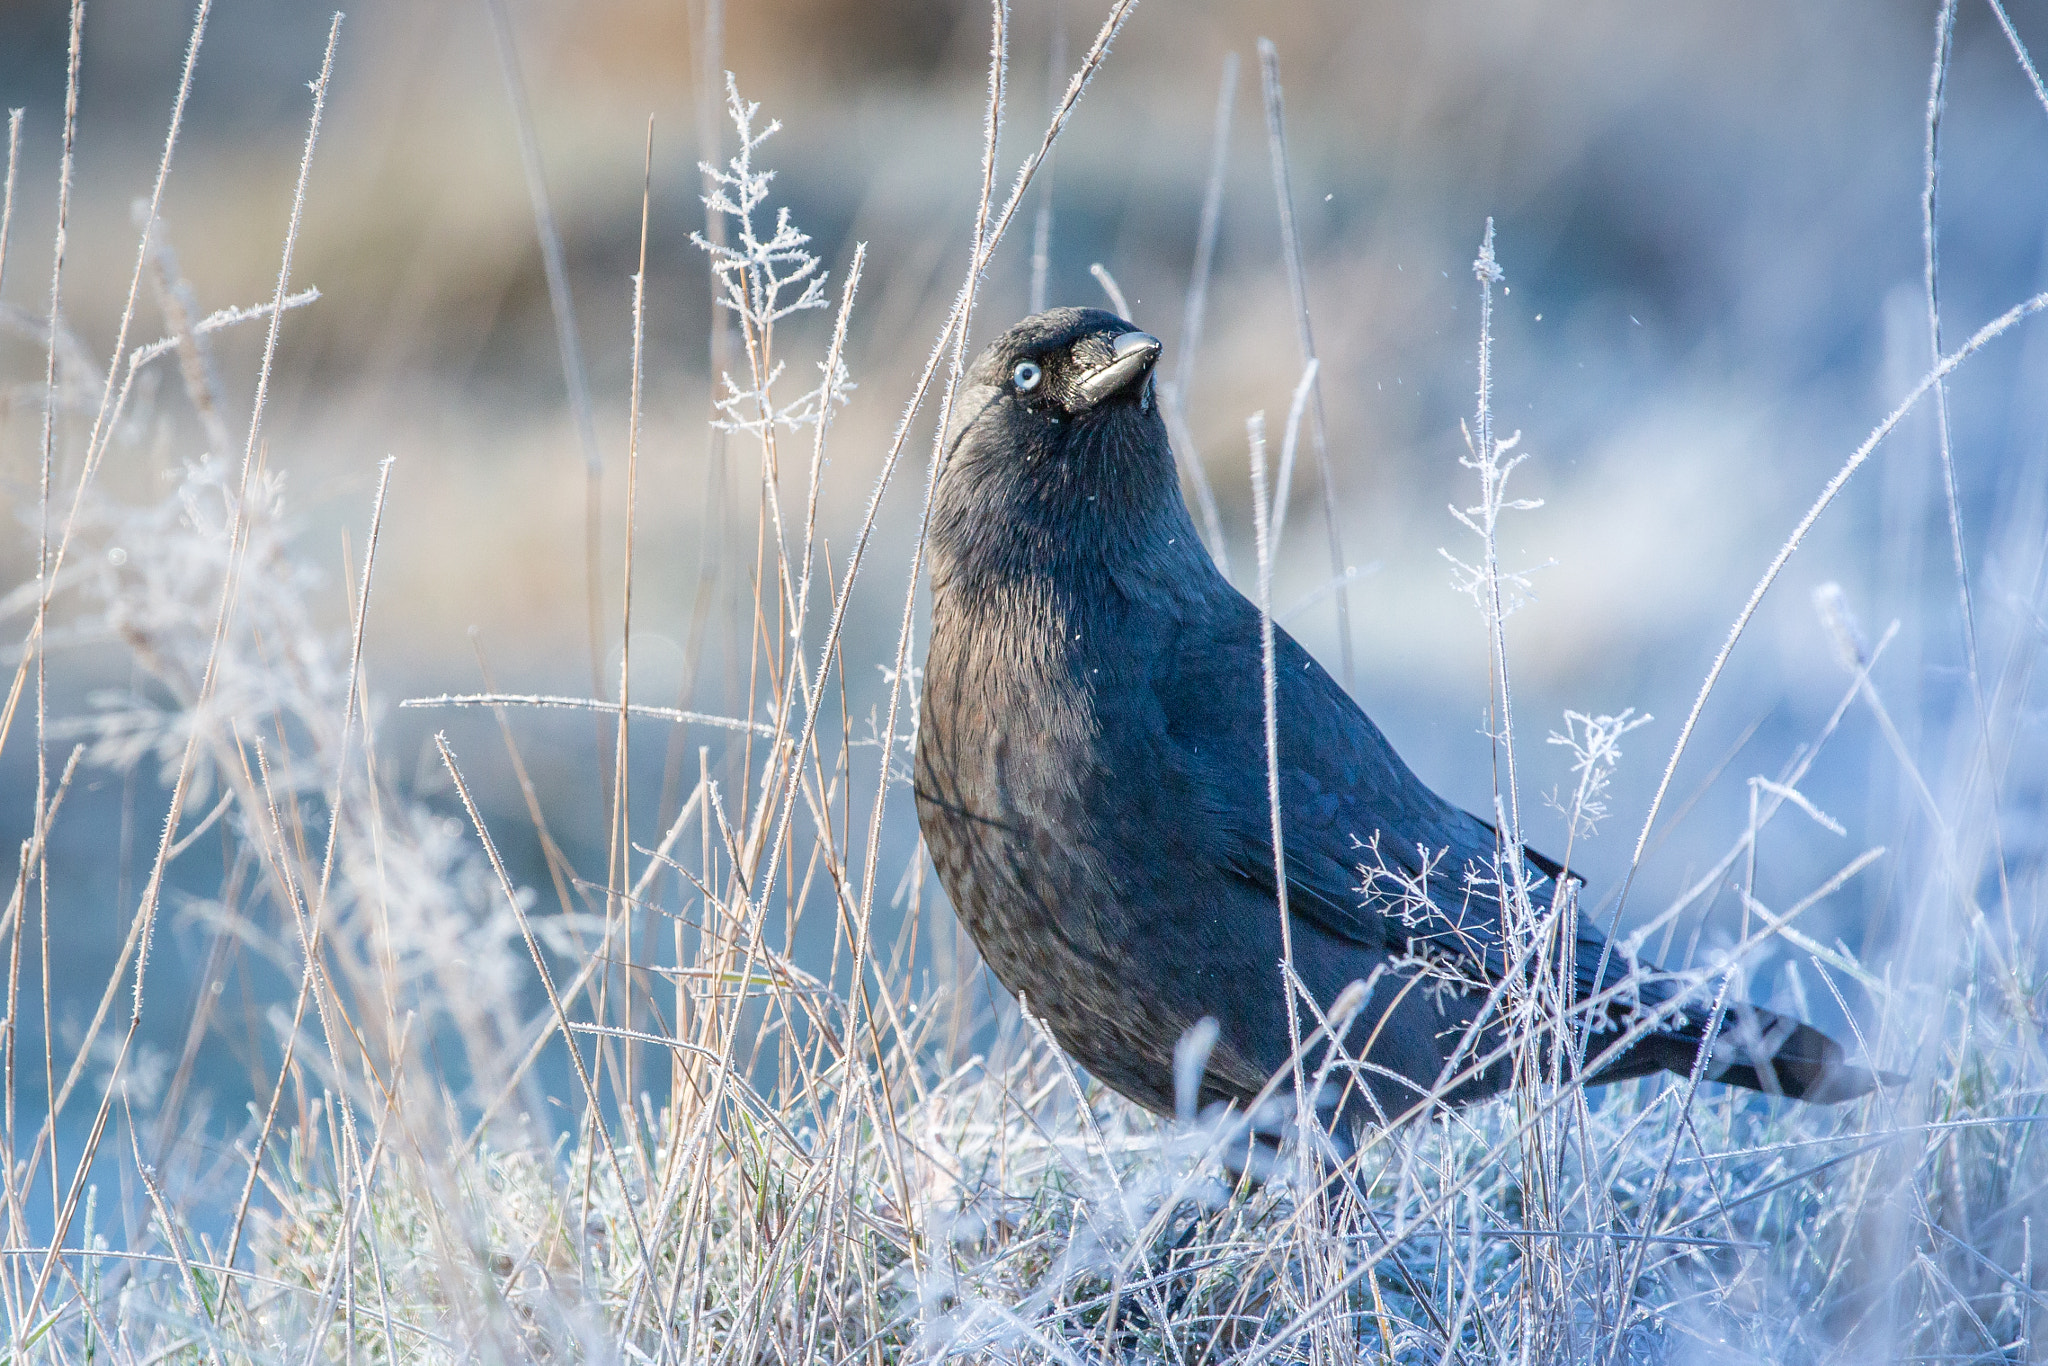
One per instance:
(1346, 799)
(1373, 856)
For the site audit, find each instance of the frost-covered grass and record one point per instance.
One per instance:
(755, 1154)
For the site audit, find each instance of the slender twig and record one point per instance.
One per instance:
(1176, 393)
(616, 911)
(7, 199)
(568, 342)
(1290, 443)
(1930, 238)
(1262, 513)
(2019, 50)
(46, 574)
(1117, 303)
(1041, 225)
(1297, 286)
(711, 540)
(546, 700)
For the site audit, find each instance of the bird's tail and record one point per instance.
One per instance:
(1765, 1051)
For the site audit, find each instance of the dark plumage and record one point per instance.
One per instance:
(1091, 781)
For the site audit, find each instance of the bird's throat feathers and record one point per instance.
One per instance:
(1090, 495)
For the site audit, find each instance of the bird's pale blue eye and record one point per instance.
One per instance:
(1026, 376)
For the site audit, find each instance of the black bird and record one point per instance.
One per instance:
(1091, 780)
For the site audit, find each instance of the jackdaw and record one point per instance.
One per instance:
(1091, 779)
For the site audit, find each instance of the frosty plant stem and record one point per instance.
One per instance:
(1297, 286)
(1173, 392)
(1255, 431)
(1498, 593)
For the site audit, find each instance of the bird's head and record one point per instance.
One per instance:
(1057, 438)
(1070, 365)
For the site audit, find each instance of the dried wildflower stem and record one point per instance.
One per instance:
(1041, 224)
(1263, 513)
(316, 917)
(315, 984)
(1297, 286)
(1493, 473)
(45, 579)
(10, 927)
(568, 341)
(48, 563)
(32, 856)
(709, 53)
(7, 197)
(546, 700)
(835, 361)
(1290, 443)
(1111, 290)
(838, 1157)
(1175, 394)
(96, 443)
(2019, 50)
(16, 1187)
(352, 698)
(619, 913)
(1966, 607)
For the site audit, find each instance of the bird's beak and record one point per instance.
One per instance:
(1130, 361)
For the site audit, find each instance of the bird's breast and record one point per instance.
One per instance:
(1024, 742)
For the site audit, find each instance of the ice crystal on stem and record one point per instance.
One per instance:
(758, 274)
